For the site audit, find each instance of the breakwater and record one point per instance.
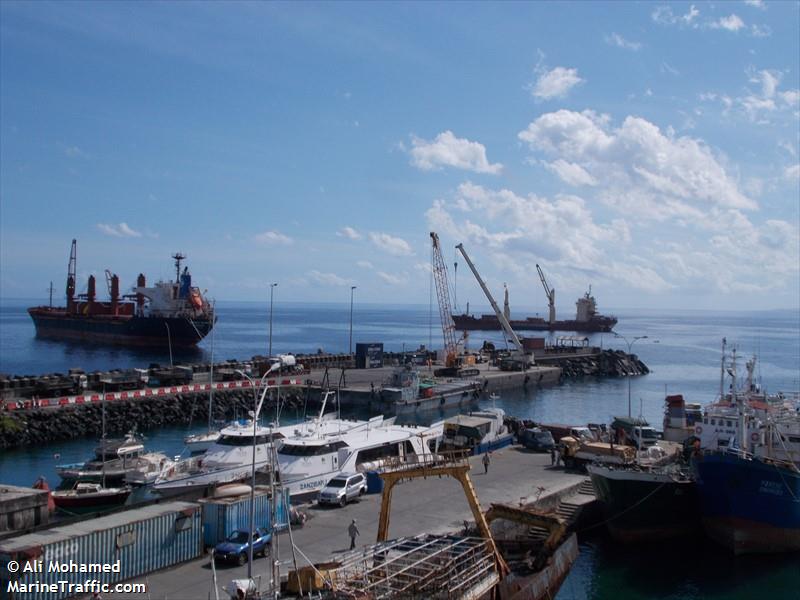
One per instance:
(46, 425)
(605, 363)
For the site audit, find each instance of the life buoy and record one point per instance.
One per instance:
(754, 436)
(698, 430)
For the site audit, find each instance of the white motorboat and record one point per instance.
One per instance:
(230, 457)
(307, 461)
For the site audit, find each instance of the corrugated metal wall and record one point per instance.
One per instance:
(223, 516)
(141, 547)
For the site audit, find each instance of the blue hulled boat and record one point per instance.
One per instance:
(749, 504)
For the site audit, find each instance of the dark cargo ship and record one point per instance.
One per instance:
(170, 313)
(586, 320)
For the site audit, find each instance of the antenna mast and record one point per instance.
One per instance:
(178, 256)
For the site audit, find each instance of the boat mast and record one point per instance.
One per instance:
(178, 256)
(738, 400)
(722, 372)
(103, 441)
(211, 375)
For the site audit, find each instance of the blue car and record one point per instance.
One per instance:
(236, 547)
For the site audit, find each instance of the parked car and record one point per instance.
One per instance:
(236, 547)
(537, 439)
(343, 488)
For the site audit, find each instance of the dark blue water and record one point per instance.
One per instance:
(682, 350)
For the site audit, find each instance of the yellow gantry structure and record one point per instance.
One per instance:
(454, 464)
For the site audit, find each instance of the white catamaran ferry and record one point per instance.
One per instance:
(230, 457)
(307, 462)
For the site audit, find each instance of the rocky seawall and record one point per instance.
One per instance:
(46, 425)
(606, 363)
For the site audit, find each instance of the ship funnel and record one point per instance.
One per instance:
(114, 290)
(90, 292)
(140, 282)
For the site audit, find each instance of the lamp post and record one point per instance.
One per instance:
(350, 350)
(271, 289)
(255, 387)
(630, 344)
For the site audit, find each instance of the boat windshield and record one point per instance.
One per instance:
(289, 449)
(247, 440)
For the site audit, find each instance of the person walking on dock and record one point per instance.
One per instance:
(553, 456)
(486, 461)
(354, 532)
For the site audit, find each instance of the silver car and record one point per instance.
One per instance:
(343, 488)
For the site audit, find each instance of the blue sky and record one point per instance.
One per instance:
(648, 149)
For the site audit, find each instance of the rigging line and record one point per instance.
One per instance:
(624, 511)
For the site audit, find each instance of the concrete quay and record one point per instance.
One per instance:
(434, 505)
(360, 388)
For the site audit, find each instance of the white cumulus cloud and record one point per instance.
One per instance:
(616, 39)
(555, 83)
(273, 238)
(328, 278)
(446, 150)
(349, 233)
(392, 245)
(651, 173)
(732, 23)
(392, 279)
(120, 230)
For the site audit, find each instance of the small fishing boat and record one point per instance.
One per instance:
(478, 431)
(87, 496)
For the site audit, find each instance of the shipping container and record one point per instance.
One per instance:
(133, 542)
(369, 356)
(222, 516)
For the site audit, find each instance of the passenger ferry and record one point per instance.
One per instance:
(307, 462)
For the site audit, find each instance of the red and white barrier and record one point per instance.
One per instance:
(147, 392)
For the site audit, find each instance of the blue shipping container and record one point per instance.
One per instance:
(222, 516)
(135, 542)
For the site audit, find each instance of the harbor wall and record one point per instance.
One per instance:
(45, 425)
(142, 540)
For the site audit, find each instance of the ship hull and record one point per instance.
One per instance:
(119, 330)
(749, 506)
(642, 506)
(491, 322)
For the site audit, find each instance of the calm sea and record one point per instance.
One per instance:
(682, 350)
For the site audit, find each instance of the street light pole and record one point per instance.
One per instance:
(271, 289)
(630, 344)
(255, 387)
(350, 351)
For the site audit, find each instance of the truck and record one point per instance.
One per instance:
(578, 432)
(537, 439)
(576, 453)
(634, 431)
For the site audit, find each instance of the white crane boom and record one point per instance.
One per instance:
(551, 296)
(500, 316)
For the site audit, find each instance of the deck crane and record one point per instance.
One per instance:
(551, 297)
(519, 358)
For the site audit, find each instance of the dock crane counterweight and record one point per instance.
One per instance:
(551, 297)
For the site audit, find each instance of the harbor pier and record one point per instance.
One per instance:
(435, 505)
